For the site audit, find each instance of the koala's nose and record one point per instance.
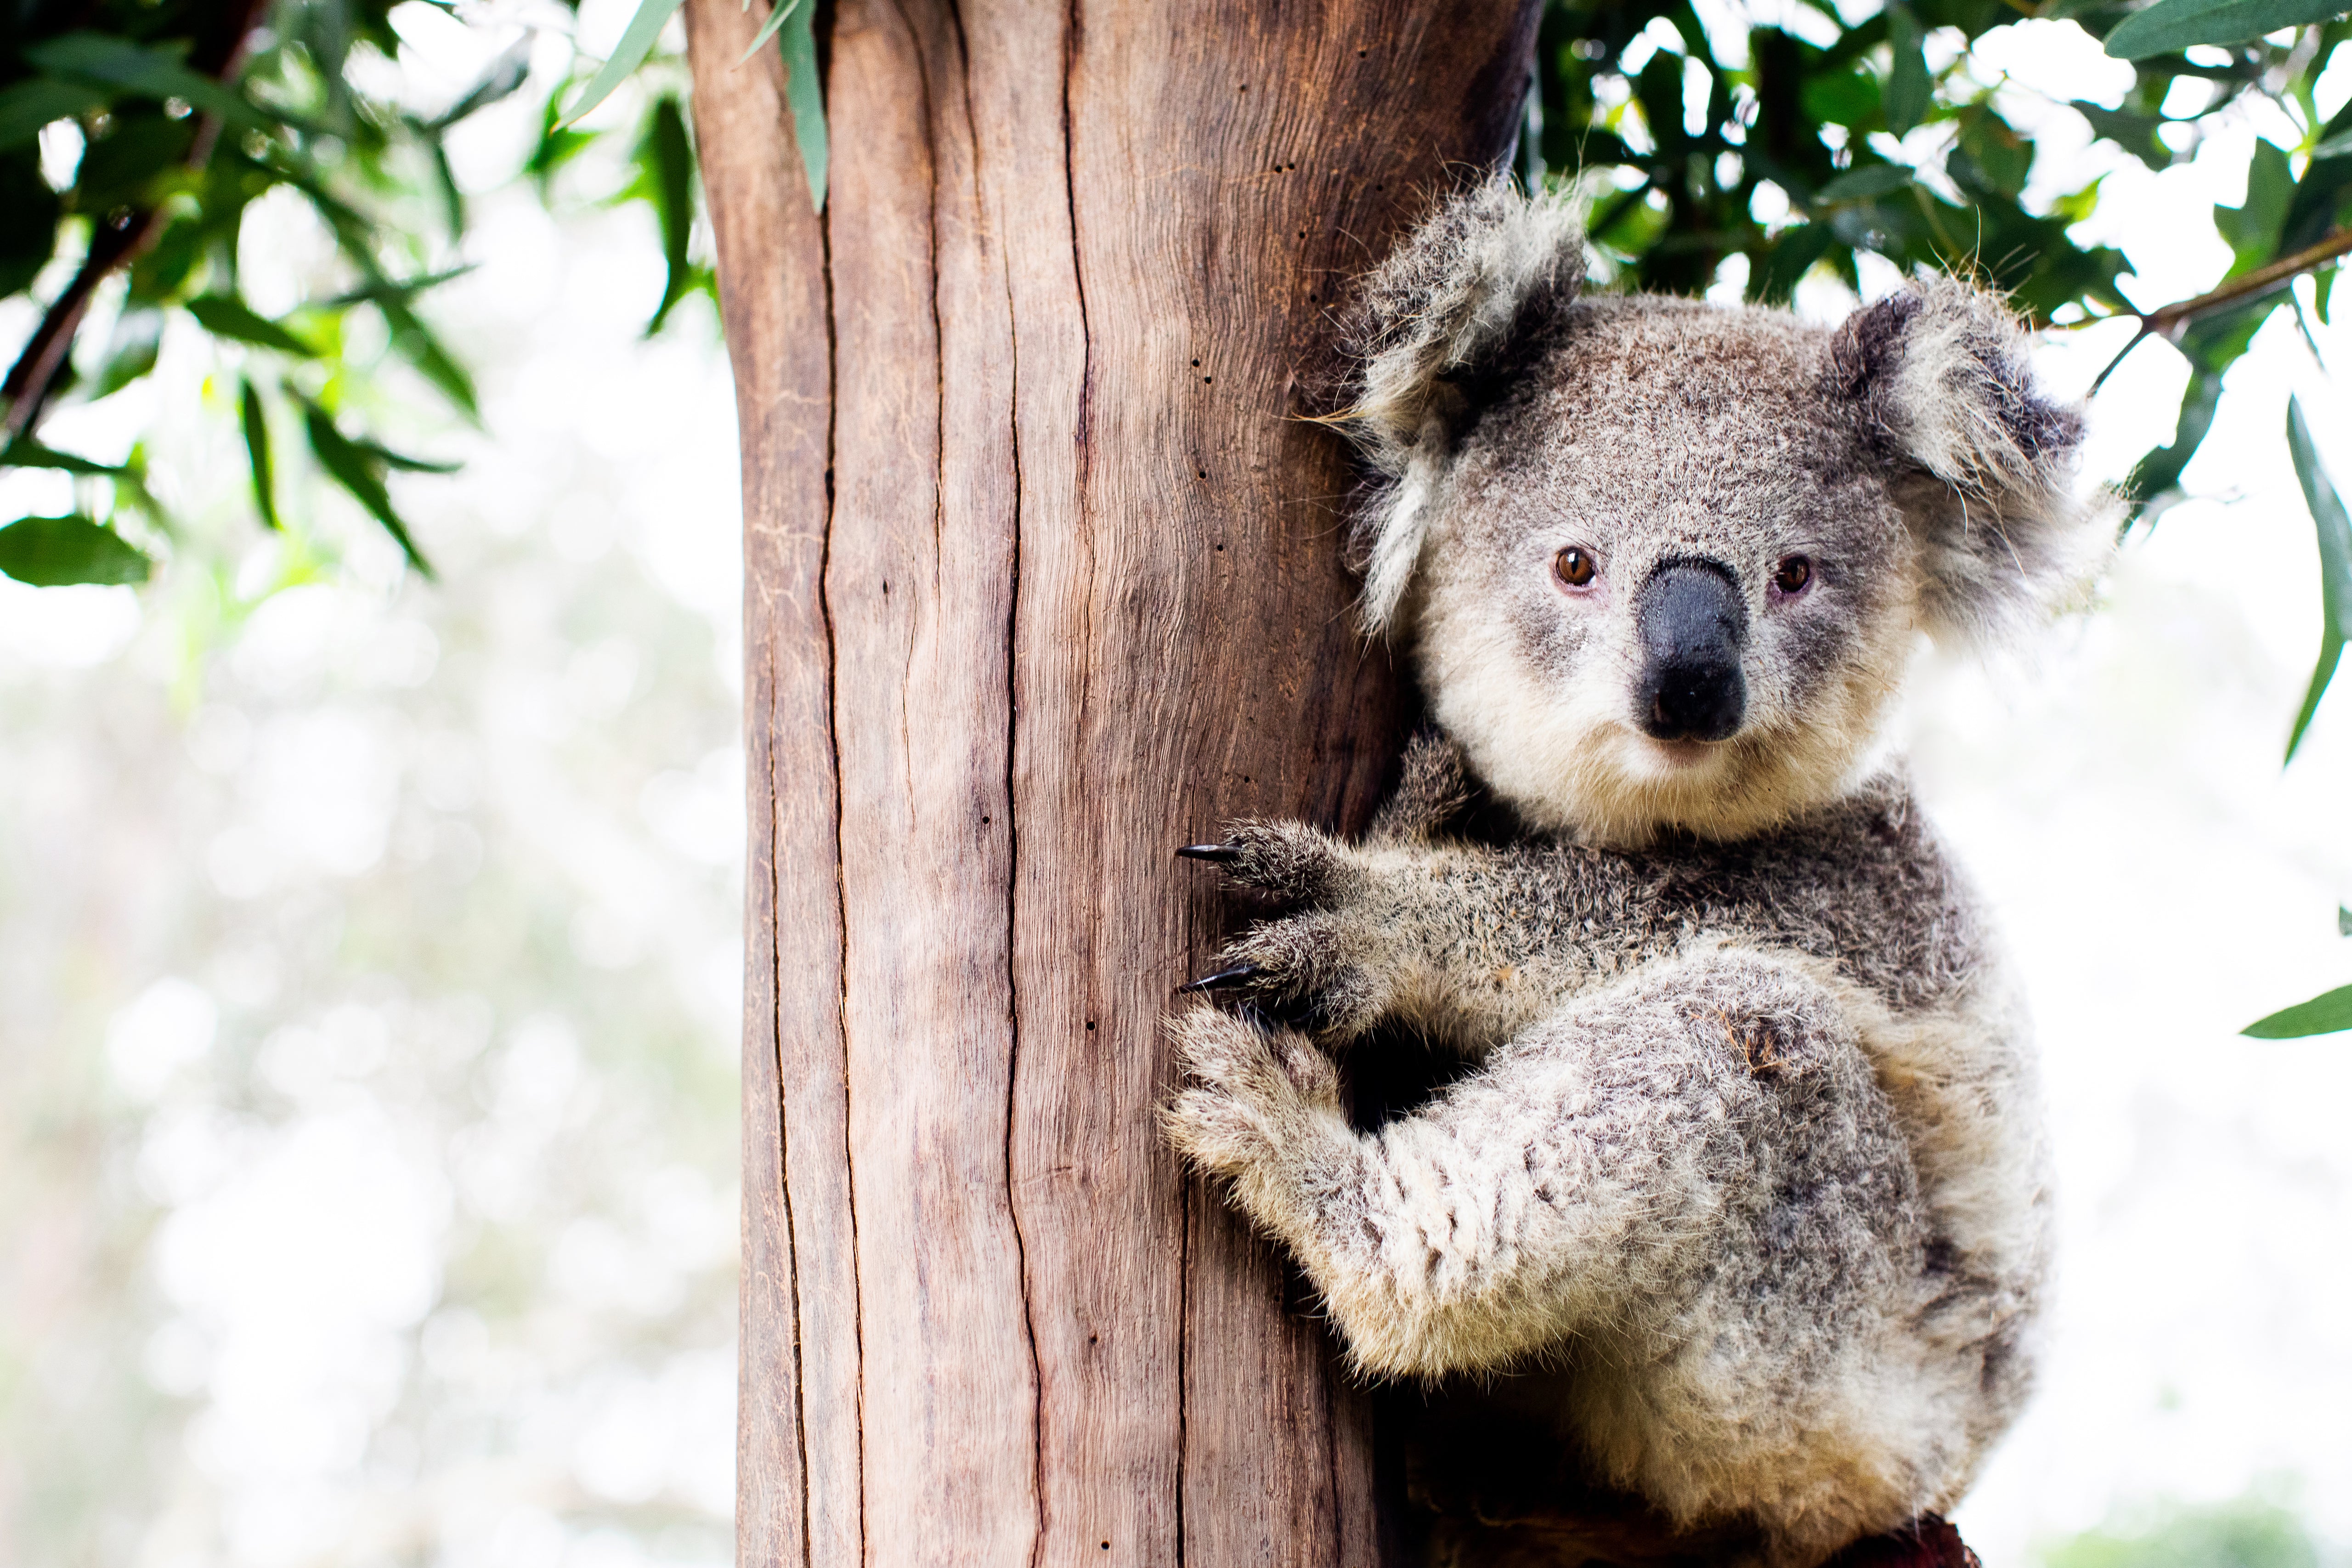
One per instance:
(1693, 622)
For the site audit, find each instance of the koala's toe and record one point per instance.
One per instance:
(1214, 1131)
(1216, 1048)
(1287, 860)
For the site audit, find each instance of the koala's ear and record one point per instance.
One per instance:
(1939, 376)
(1431, 330)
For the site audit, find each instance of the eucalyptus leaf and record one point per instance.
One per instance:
(400, 290)
(805, 95)
(504, 75)
(255, 420)
(1869, 181)
(58, 551)
(225, 316)
(2335, 532)
(131, 352)
(151, 72)
(357, 471)
(665, 177)
(1908, 88)
(2170, 26)
(776, 19)
(25, 453)
(637, 42)
(2324, 1014)
(30, 105)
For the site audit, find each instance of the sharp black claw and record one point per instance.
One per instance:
(1219, 852)
(1239, 975)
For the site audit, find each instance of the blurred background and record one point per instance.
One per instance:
(370, 947)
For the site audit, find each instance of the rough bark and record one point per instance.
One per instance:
(1044, 579)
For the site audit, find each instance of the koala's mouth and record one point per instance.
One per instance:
(1680, 756)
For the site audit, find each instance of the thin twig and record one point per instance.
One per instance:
(2170, 322)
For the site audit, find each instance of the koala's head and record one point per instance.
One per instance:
(1662, 563)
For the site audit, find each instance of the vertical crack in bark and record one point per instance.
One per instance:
(840, 887)
(784, 1125)
(1011, 804)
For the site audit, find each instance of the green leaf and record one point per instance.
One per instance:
(155, 72)
(2252, 230)
(1870, 180)
(257, 452)
(24, 452)
(398, 289)
(356, 468)
(2323, 1015)
(637, 42)
(2135, 134)
(416, 343)
(30, 105)
(1991, 158)
(143, 155)
(1908, 88)
(405, 463)
(805, 95)
(1786, 264)
(55, 552)
(2312, 213)
(2170, 26)
(30, 233)
(130, 353)
(666, 179)
(556, 146)
(506, 74)
(2335, 565)
(2343, 921)
(777, 17)
(1845, 97)
(225, 316)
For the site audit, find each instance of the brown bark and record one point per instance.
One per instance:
(1042, 579)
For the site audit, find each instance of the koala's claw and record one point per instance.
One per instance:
(1286, 860)
(1223, 979)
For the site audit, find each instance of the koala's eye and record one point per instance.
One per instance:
(1793, 575)
(1574, 566)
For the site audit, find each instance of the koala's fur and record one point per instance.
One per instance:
(1749, 1156)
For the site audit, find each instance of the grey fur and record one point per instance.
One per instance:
(1749, 1154)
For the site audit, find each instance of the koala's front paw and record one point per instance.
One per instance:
(1323, 967)
(1286, 860)
(1256, 1096)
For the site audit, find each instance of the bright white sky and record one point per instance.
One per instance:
(2162, 880)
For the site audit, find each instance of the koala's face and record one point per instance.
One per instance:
(1664, 582)
(1663, 564)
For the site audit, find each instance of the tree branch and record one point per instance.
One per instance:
(25, 393)
(2168, 321)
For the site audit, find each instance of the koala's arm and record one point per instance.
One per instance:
(1469, 943)
(1589, 1170)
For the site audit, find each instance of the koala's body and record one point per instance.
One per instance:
(1749, 1154)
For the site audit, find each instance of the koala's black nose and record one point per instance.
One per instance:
(1693, 622)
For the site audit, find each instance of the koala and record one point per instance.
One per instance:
(1743, 1153)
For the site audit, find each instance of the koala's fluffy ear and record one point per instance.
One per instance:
(1940, 374)
(1430, 331)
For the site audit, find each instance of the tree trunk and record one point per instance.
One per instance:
(1043, 580)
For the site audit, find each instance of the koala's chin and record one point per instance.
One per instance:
(1736, 1204)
